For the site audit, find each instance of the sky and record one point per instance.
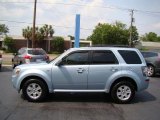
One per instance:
(18, 14)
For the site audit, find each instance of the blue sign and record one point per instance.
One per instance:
(77, 31)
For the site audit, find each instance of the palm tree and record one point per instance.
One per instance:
(27, 33)
(40, 33)
(48, 32)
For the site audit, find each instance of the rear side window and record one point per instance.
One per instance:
(36, 52)
(149, 54)
(104, 57)
(130, 57)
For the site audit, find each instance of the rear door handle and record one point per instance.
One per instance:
(114, 69)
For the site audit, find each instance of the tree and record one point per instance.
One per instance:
(9, 42)
(71, 37)
(135, 34)
(151, 36)
(48, 31)
(58, 44)
(3, 29)
(116, 33)
(27, 33)
(41, 33)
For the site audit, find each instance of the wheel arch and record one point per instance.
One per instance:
(150, 64)
(33, 77)
(127, 79)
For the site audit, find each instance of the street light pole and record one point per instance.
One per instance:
(34, 22)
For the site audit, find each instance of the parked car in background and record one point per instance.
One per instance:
(0, 61)
(118, 71)
(28, 55)
(153, 62)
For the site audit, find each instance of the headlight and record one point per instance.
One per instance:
(17, 71)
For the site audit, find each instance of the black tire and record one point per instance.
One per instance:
(122, 92)
(151, 71)
(13, 65)
(34, 90)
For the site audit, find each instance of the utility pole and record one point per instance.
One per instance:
(34, 22)
(130, 37)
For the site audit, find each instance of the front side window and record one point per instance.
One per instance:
(76, 58)
(130, 57)
(104, 57)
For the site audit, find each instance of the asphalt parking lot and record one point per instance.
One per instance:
(70, 106)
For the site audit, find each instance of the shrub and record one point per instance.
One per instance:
(57, 44)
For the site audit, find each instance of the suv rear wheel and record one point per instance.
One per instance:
(151, 71)
(34, 90)
(123, 92)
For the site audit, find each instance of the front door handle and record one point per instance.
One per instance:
(80, 70)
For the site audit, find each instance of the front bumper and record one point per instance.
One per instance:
(14, 82)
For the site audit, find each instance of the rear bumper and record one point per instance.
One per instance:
(157, 70)
(144, 84)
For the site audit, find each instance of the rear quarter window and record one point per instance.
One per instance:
(130, 57)
(149, 54)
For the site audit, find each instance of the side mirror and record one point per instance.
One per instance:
(59, 63)
(15, 54)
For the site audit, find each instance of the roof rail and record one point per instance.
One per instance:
(103, 45)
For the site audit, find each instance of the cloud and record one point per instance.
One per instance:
(156, 25)
(12, 12)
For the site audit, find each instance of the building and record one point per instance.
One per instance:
(45, 44)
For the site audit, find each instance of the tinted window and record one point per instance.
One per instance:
(103, 57)
(76, 58)
(36, 52)
(149, 54)
(130, 57)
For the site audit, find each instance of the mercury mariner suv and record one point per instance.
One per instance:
(115, 70)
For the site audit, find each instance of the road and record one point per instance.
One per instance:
(77, 106)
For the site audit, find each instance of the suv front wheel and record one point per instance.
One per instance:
(34, 90)
(123, 92)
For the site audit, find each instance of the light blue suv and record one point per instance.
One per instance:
(114, 70)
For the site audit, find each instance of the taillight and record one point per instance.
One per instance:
(47, 57)
(145, 70)
(27, 57)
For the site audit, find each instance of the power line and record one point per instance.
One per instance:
(82, 5)
(68, 27)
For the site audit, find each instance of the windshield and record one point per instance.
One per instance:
(36, 52)
(53, 59)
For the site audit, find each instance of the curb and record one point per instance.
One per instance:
(6, 65)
